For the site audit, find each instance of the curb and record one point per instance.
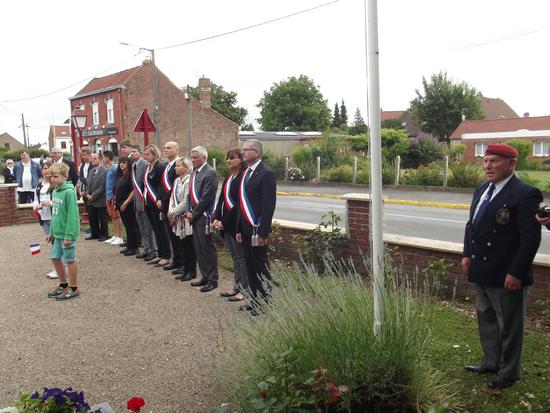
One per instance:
(387, 201)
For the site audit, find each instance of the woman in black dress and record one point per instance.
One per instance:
(124, 203)
(152, 183)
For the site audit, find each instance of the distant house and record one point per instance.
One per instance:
(114, 103)
(478, 134)
(281, 143)
(60, 137)
(9, 142)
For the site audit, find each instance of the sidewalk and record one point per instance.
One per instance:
(134, 331)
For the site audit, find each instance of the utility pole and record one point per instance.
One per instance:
(25, 130)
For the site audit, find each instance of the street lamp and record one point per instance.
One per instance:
(78, 117)
(155, 88)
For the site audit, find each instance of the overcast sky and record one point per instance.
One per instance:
(500, 47)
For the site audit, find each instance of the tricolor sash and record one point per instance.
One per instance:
(195, 197)
(151, 193)
(165, 180)
(137, 188)
(246, 206)
(227, 199)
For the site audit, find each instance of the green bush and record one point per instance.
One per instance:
(532, 165)
(302, 158)
(431, 175)
(456, 151)
(423, 151)
(221, 165)
(465, 175)
(275, 162)
(37, 153)
(342, 173)
(524, 150)
(322, 327)
(394, 142)
(359, 143)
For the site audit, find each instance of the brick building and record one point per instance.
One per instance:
(60, 137)
(478, 134)
(114, 103)
(9, 142)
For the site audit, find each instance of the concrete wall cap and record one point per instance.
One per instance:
(356, 197)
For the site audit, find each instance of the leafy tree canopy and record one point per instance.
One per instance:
(392, 124)
(358, 126)
(440, 107)
(294, 104)
(225, 103)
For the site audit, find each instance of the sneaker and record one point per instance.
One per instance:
(68, 295)
(52, 274)
(57, 292)
(110, 240)
(117, 241)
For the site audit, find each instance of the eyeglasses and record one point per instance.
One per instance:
(248, 149)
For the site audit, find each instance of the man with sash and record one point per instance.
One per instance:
(257, 197)
(147, 236)
(168, 177)
(203, 186)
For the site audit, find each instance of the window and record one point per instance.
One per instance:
(95, 113)
(7, 146)
(540, 148)
(113, 146)
(98, 146)
(480, 149)
(63, 145)
(110, 111)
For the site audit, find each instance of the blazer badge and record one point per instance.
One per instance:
(503, 216)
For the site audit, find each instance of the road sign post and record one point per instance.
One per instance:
(144, 124)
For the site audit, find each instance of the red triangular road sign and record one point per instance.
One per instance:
(144, 123)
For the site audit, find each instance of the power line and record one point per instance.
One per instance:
(249, 27)
(502, 39)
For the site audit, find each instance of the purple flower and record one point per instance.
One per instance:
(35, 395)
(50, 393)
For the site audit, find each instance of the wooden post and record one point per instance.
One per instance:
(397, 169)
(354, 169)
(446, 171)
(286, 168)
(318, 177)
(214, 163)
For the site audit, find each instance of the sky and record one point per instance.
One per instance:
(54, 48)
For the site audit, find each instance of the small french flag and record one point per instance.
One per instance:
(35, 249)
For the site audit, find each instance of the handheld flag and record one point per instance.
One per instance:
(35, 249)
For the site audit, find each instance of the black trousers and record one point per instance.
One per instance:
(98, 221)
(186, 251)
(159, 229)
(257, 265)
(177, 246)
(128, 217)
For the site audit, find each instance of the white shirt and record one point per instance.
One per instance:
(26, 178)
(498, 186)
(253, 167)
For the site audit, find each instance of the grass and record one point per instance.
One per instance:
(454, 344)
(542, 176)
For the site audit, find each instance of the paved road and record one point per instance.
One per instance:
(423, 222)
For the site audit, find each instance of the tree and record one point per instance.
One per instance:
(225, 103)
(294, 104)
(392, 124)
(439, 109)
(247, 127)
(394, 142)
(358, 126)
(343, 114)
(424, 150)
(336, 119)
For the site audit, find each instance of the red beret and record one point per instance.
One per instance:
(501, 149)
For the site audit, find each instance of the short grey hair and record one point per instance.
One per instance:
(201, 150)
(256, 144)
(56, 149)
(187, 162)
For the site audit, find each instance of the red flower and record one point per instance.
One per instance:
(135, 404)
(263, 394)
(333, 392)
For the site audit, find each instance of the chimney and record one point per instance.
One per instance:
(526, 115)
(204, 91)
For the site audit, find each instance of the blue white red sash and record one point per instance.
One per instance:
(228, 201)
(193, 190)
(175, 196)
(246, 206)
(137, 188)
(165, 180)
(150, 191)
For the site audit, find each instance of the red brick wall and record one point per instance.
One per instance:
(209, 128)
(469, 152)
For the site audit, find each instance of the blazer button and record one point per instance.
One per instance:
(489, 244)
(473, 242)
(484, 258)
(473, 256)
(494, 231)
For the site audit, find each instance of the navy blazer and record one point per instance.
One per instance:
(165, 195)
(207, 186)
(261, 190)
(507, 236)
(155, 180)
(229, 218)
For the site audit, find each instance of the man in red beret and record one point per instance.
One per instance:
(501, 240)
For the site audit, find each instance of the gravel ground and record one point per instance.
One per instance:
(134, 331)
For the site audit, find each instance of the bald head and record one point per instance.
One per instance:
(171, 150)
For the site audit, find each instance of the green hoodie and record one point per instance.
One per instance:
(65, 217)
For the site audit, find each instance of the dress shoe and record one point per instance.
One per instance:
(102, 239)
(498, 384)
(142, 255)
(90, 238)
(236, 297)
(209, 287)
(170, 267)
(189, 276)
(130, 253)
(179, 277)
(479, 370)
(178, 271)
(123, 250)
(154, 261)
(231, 293)
(199, 283)
(150, 257)
(122, 245)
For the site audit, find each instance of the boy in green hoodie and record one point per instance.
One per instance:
(64, 230)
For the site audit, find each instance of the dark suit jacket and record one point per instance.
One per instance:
(206, 186)
(141, 167)
(155, 180)
(73, 174)
(229, 218)
(507, 236)
(9, 178)
(261, 190)
(164, 194)
(95, 186)
(81, 178)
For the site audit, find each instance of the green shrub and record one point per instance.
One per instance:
(524, 150)
(296, 174)
(302, 158)
(221, 165)
(465, 175)
(275, 162)
(423, 151)
(37, 153)
(431, 175)
(532, 165)
(456, 151)
(325, 324)
(359, 143)
(394, 142)
(342, 173)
